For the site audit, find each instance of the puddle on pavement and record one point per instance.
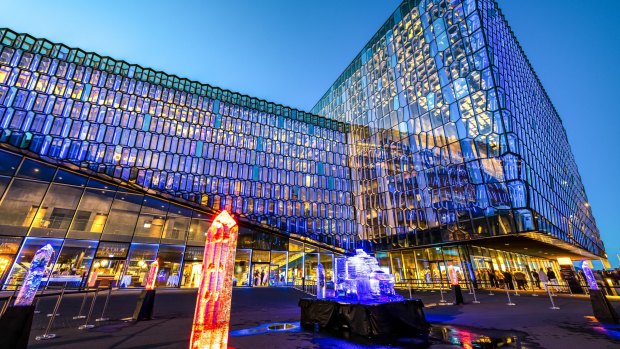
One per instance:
(266, 328)
(478, 338)
(439, 336)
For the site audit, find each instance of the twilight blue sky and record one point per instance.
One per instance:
(291, 51)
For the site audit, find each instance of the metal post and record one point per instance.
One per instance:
(443, 300)
(90, 312)
(553, 307)
(105, 306)
(508, 294)
(79, 315)
(47, 334)
(475, 301)
(517, 291)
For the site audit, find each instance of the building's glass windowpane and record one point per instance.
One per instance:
(170, 258)
(56, 211)
(241, 276)
(20, 206)
(124, 213)
(22, 261)
(73, 263)
(139, 261)
(109, 264)
(152, 219)
(92, 214)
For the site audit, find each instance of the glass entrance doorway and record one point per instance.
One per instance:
(260, 274)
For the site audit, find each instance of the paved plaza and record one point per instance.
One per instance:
(530, 322)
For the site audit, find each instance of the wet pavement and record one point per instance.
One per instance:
(268, 318)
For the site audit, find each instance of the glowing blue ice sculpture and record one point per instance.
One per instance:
(34, 275)
(365, 281)
(587, 271)
(320, 281)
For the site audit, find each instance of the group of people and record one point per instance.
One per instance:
(517, 278)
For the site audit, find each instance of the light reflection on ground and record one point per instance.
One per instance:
(266, 328)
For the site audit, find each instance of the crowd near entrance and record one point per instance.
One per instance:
(481, 267)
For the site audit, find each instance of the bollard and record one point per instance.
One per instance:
(79, 315)
(553, 307)
(475, 301)
(508, 294)
(47, 334)
(90, 312)
(105, 306)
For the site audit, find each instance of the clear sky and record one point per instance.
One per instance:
(291, 51)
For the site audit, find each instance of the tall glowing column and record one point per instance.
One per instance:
(150, 281)
(212, 314)
(34, 275)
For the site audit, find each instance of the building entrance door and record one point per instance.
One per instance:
(260, 274)
(437, 270)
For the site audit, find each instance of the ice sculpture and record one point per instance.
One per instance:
(320, 285)
(150, 281)
(212, 314)
(34, 275)
(360, 278)
(587, 271)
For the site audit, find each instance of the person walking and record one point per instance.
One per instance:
(553, 280)
(520, 279)
(536, 279)
(508, 280)
(542, 276)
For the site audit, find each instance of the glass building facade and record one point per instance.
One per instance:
(172, 152)
(453, 138)
(426, 150)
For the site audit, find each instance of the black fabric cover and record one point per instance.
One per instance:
(368, 320)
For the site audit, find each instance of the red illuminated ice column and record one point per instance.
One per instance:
(212, 314)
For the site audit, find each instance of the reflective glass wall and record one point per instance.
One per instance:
(265, 162)
(481, 266)
(452, 137)
(108, 234)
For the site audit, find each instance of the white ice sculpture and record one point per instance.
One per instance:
(362, 279)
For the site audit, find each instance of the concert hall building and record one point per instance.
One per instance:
(437, 146)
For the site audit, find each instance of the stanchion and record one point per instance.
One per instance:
(53, 313)
(47, 334)
(442, 300)
(569, 290)
(90, 312)
(553, 307)
(475, 301)
(508, 294)
(517, 291)
(79, 315)
(470, 287)
(105, 306)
